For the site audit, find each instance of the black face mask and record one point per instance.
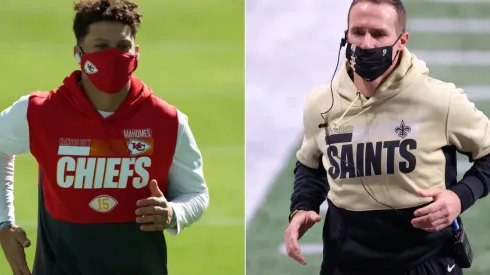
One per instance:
(370, 63)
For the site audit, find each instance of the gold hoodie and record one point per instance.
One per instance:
(394, 141)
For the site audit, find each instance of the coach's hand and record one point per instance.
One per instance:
(154, 211)
(444, 209)
(13, 240)
(300, 223)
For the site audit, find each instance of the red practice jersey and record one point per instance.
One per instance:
(93, 170)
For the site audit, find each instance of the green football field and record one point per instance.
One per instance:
(192, 54)
(265, 251)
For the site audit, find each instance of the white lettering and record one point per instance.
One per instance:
(141, 133)
(139, 168)
(97, 173)
(111, 172)
(65, 164)
(126, 172)
(84, 175)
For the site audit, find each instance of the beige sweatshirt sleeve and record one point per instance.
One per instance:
(309, 152)
(467, 128)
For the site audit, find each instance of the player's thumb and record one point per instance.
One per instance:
(155, 190)
(21, 237)
(432, 192)
(314, 217)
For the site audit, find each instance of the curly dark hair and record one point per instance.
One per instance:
(92, 11)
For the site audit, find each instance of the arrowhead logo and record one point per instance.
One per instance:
(90, 68)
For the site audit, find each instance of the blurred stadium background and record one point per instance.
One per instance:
(292, 47)
(192, 55)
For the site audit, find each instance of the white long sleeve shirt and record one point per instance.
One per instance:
(187, 190)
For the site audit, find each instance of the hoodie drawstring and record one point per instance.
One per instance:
(358, 97)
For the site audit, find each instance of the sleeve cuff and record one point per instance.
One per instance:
(5, 224)
(175, 230)
(469, 189)
(308, 162)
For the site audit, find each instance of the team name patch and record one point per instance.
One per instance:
(104, 164)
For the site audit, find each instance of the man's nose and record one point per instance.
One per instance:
(368, 42)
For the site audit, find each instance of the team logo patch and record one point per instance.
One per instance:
(103, 203)
(402, 130)
(90, 68)
(137, 147)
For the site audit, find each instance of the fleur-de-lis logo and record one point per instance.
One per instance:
(402, 130)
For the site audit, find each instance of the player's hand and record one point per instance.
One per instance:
(444, 209)
(154, 212)
(300, 223)
(13, 240)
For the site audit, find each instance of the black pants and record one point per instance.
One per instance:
(437, 266)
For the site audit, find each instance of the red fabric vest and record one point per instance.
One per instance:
(94, 170)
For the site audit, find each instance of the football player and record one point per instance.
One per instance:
(380, 144)
(117, 164)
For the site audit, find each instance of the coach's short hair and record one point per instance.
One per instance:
(397, 4)
(92, 11)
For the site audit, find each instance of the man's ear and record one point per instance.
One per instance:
(344, 40)
(403, 41)
(77, 52)
(137, 51)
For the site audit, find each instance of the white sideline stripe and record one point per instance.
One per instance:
(454, 58)
(306, 248)
(206, 222)
(476, 93)
(433, 25)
